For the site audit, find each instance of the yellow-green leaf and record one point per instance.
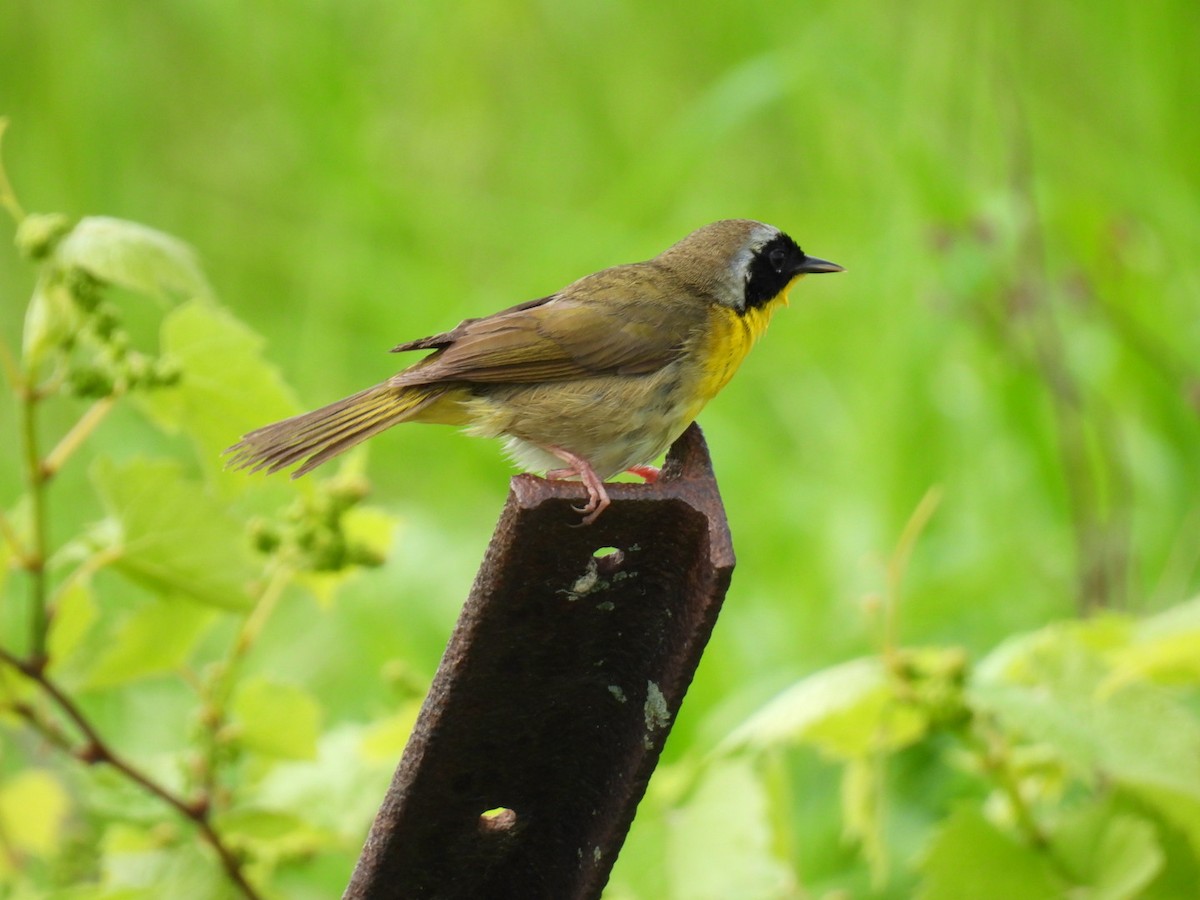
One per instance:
(133, 256)
(227, 387)
(1115, 854)
(384, 739)
(33, 809)
(277, 719)
(1164, 648)
(719, 842)
(74, 614)
(51, 318)
(156, 639)
(1047, 687)
(970, 857)
(174, 537)
(845, 711)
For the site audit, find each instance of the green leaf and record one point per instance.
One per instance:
(102, 892)
(970, 857)
(1164, 648)
(39, 233)
(133, 256)
(1166, 659)
(279, 720)
(1182, 617)
(227, 387)
(384, 739)
(33, 811)
(174, 537)
(1180, 871)
(1115, 855)
(51, 320)
(788, 717)
(257, 824)
(639, 872)
(133, 858)
(156, 639)
(338, 791)
(1047, 687)
(74, 615)
(1178, 808)
(845, 711)
(271, 836)
(719, 842)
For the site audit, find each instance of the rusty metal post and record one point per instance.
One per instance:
(556, 693)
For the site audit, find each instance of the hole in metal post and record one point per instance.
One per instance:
(608, 560)
(498, 820)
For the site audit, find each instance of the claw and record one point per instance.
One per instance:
(601, 502)
(598, 500)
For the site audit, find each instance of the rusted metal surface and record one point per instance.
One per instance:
(556, 692)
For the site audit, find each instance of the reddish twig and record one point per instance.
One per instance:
(97, 750)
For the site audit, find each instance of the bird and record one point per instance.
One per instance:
(596, 379)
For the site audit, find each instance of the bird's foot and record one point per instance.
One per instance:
(579, 467)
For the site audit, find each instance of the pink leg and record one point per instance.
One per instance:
(649, 474)
(597, 497)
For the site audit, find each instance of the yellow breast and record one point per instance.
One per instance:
(721, 351)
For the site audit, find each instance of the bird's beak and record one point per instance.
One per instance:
(814, 266)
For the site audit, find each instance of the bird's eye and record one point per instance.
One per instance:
(778, 259)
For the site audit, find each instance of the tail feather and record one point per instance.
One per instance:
(322, 434)
(309, 437)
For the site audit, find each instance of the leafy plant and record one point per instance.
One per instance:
(1064, 763)
(167, 576)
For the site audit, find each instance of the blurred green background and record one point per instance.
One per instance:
(1011, 186)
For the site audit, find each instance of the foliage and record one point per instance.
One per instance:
(165, 583)
(1065, 763)
(1011, 188)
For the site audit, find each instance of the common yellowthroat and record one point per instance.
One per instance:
(596, 379)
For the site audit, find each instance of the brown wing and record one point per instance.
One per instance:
(446, 338)
(623, 321)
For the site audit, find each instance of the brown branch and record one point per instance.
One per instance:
(48, 730)
(97, 750)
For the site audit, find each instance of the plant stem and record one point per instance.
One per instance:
(97, 750)
(8, 199)
(897, 566)
(35, 557)
(279, 578)
(49, 732)
(214, 691)
(85, 570)
(993, 754)
(77, 435)
(1008, 785)
(996, 762)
